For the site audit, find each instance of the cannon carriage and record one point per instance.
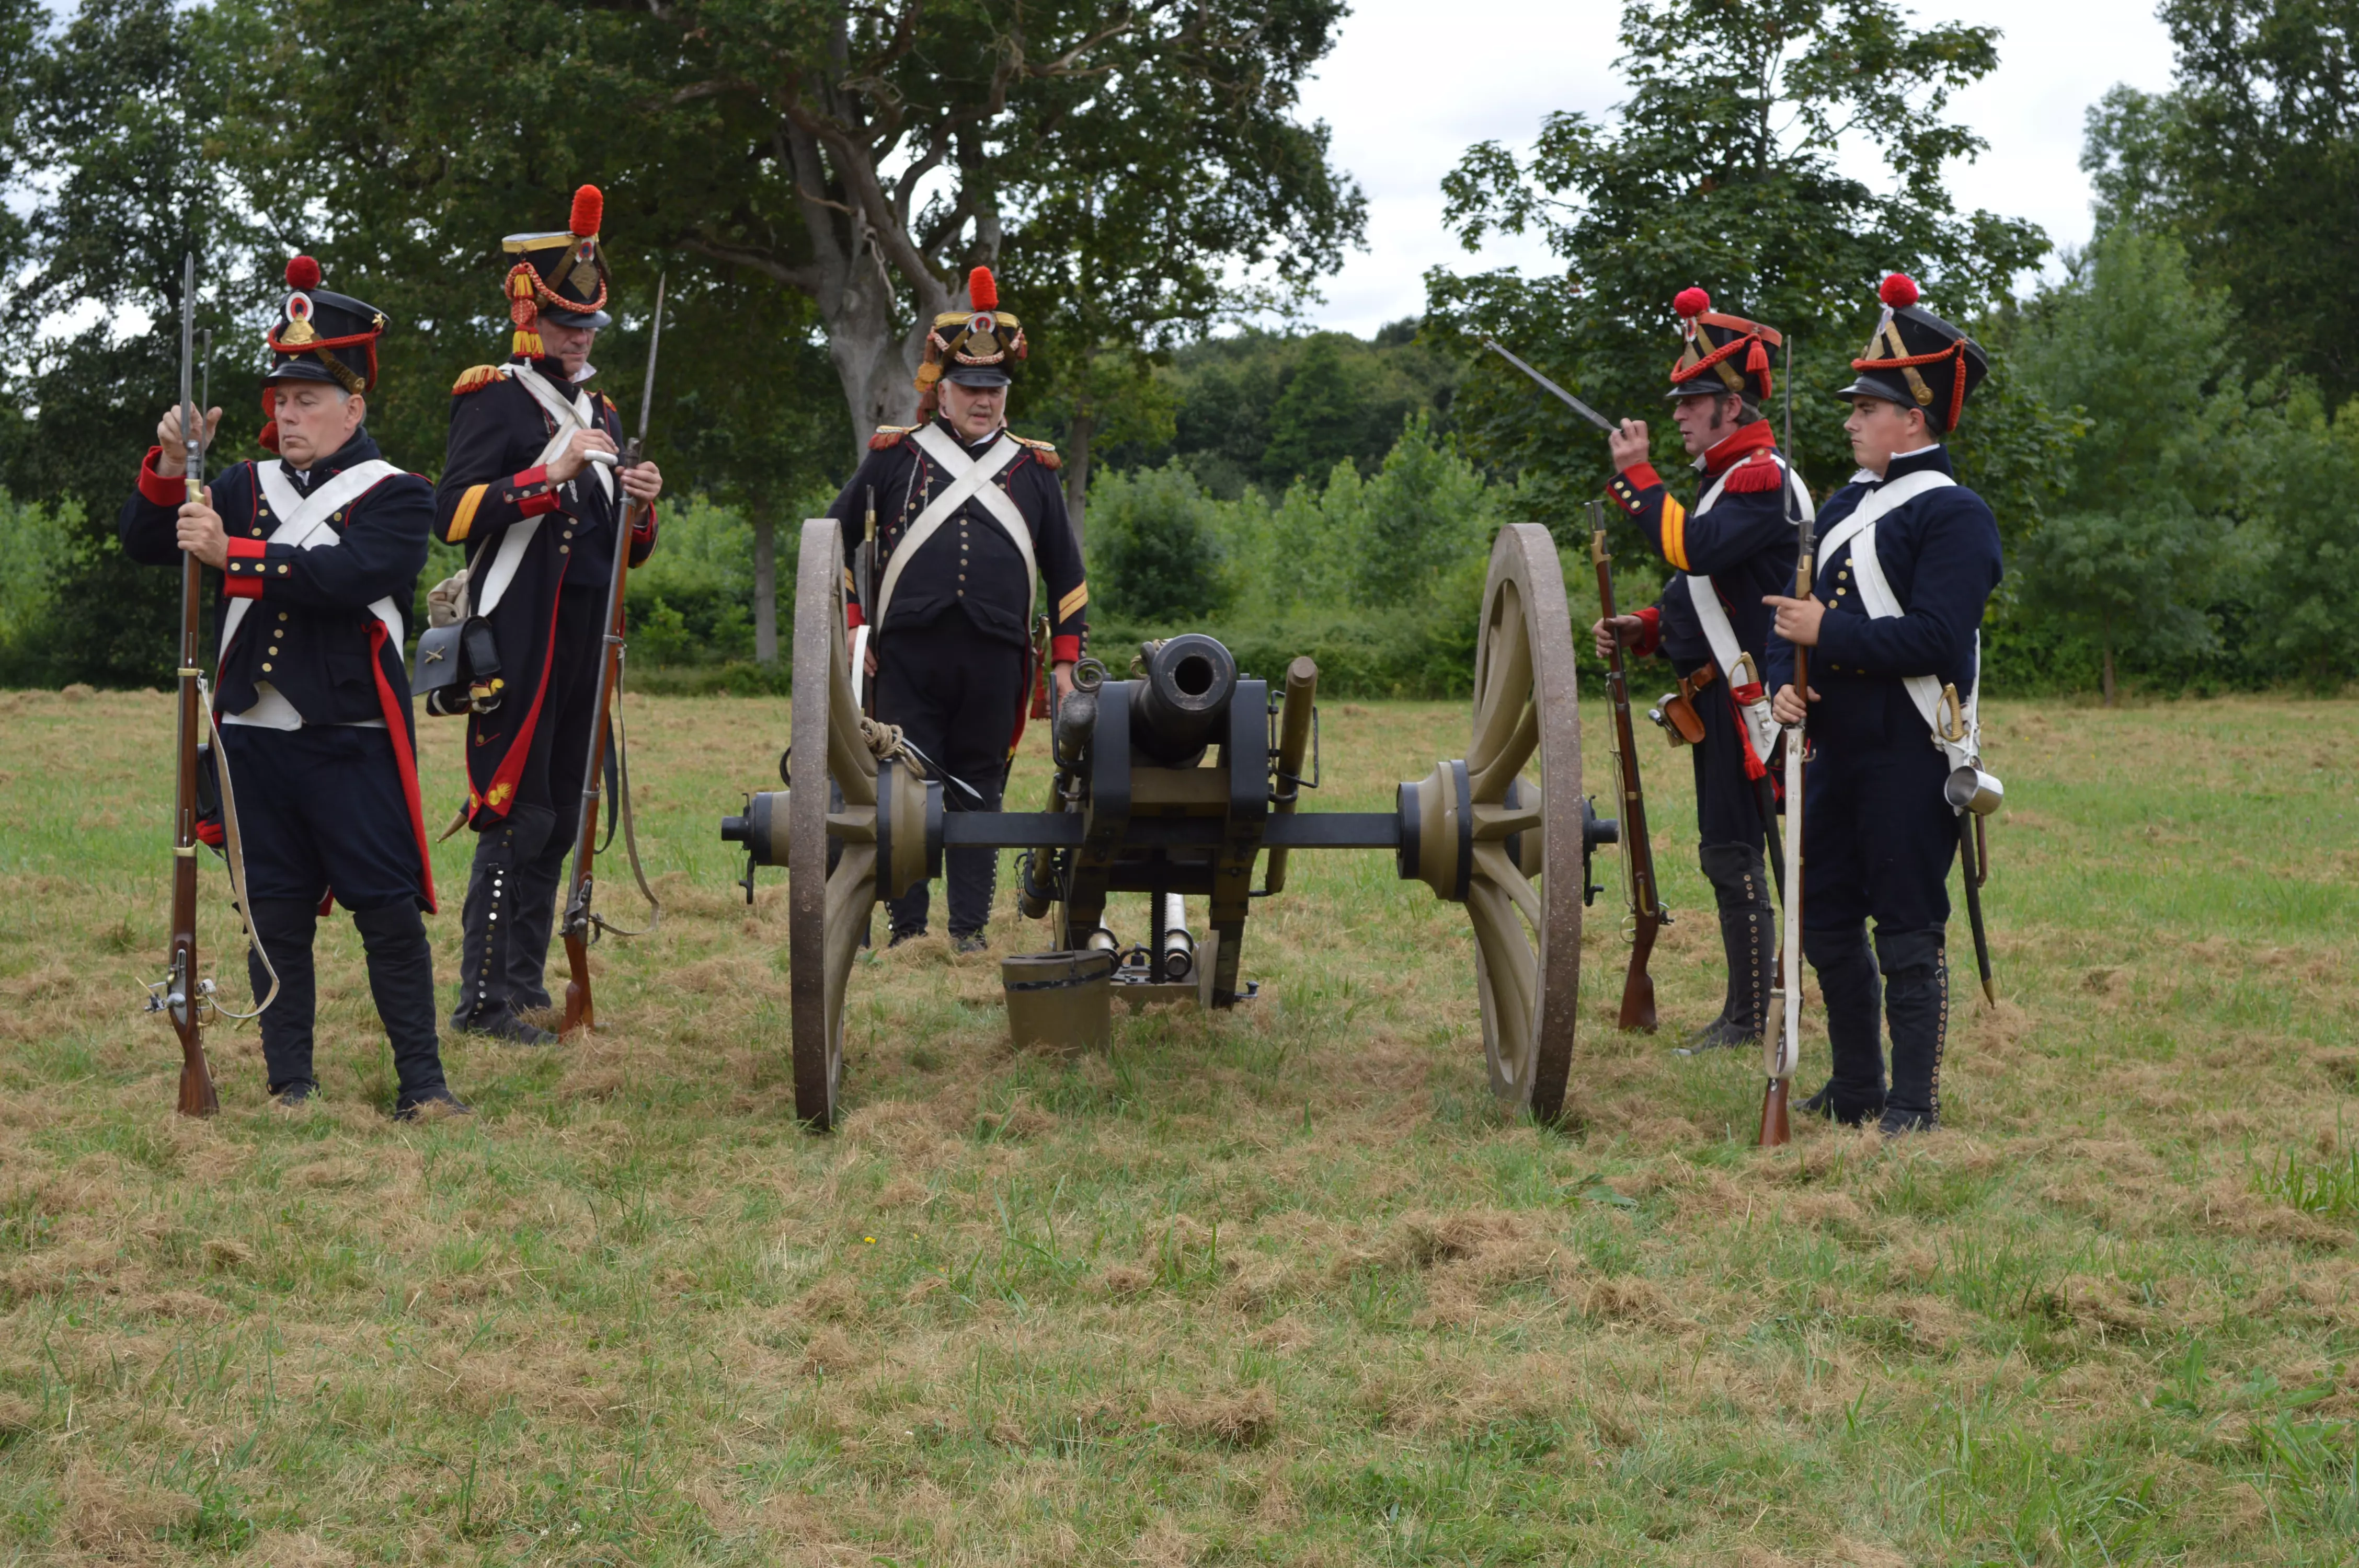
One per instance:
(1184, 779)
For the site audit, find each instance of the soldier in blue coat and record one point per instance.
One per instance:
(955, 570)
(532, 492)
(1907, 559)
(1735, 546)
(319, 552)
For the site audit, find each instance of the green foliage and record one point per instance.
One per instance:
(1157, 544)
(45, 547)
(2308, 599)
(1377, 578)
(2142, 542)
(2252, 160)
(1726, 168)
(1226, 395)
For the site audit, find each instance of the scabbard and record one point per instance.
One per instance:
(1974, 903)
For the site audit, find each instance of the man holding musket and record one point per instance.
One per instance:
(969, 515)
(1736, 544)
(532, 488)
(318, 551)
(1907, 560)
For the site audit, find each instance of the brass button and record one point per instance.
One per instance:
(266, 669)
(282, 571)
(564, 549)
(282, 615)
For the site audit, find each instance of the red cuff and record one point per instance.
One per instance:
(645, 528)
(155, 487)
(529, 492)
(1642, 475)
(1064, 650)
(1651, 637)
(247, 549)
(242, 587)
(852, 620)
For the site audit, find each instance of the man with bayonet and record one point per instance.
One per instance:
(318, 551)
(533, 489)
(1736, 543)
(969, 515)
(1906, 562)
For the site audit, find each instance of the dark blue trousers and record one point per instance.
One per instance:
(1877, 836)
(321, 810)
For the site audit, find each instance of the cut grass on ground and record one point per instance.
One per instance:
(1276, 1287)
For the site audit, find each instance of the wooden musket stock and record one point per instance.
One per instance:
(1637, 847)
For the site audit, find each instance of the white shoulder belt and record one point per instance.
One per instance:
(303, 524)
(1760, 727)
(1858, 531)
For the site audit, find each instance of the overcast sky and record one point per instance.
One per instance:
(1412, 84)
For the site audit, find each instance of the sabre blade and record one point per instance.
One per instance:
(1575, 403)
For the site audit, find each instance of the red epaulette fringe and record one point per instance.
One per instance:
(886, 438)
(474, 380)
(1755, 474)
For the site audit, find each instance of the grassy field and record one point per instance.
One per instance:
(1272, 1287)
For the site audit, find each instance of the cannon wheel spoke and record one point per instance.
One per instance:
(1527, 933)
(827, 911)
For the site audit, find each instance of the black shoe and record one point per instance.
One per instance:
(1899, 1123)
(901, 936)
(1720, 1034)
(409, 1106)
(1828, 1103)
(513, 1031)
(294, 1096)
(972, 942)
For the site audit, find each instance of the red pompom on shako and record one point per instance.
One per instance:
(588, 212)
(983, 289)
(1900, 291)
(1691, 302)
(302, 272)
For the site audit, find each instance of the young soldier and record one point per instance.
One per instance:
(1735, 546)
(954, 580)
(1907, 559)
(532, 490)
(319, 552)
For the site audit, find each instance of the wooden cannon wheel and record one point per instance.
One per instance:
(1527, 936)
(828, 906)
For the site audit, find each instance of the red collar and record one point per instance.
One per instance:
(1757, 437)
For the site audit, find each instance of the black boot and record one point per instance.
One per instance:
(487, 1002)
(1846, 971)
(1917, 1007)
(971, 878)
(1749, 927)
(285, 926)
(401, 980)
(536, 917)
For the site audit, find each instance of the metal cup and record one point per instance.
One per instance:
(1971, 789)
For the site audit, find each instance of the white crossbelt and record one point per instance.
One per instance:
(303, 524)
(1875, 595)
(1760, 725)
(970, 480)
(578, 413)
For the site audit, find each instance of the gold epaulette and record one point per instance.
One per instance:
(475, 380)
(888, 436)
(1044, 452)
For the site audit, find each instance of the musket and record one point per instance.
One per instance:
(1575, 403)
(184, 995)
(1648, 915)
(1974, 851)
(579, 1012)
(1782, 1044)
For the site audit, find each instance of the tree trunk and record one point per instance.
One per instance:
(1077, 472)
(2108, 640)
(766, 592)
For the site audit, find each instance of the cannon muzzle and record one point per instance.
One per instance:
(1183, 703)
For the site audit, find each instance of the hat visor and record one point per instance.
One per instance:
(1871, 384)
(594, 320)
(977, 375)
(302, 368)
(1700, 389)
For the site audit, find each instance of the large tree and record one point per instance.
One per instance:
(862, 156)
(2251, 162)
(1725, 167)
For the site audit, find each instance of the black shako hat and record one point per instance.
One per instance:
(1722, 355)
(975, 347)
(561, 276)
(1918, 359)
(320, 337)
